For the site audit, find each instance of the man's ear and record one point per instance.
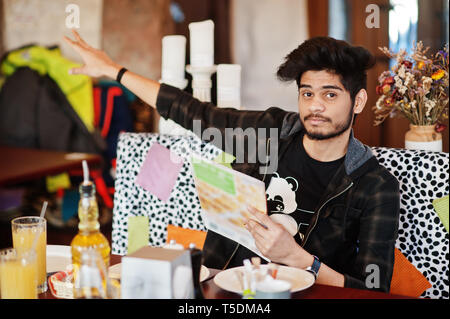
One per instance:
(360, 101)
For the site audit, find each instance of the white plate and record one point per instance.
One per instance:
(58, 258)
(204, 273)
(115, 270)
(300, 279)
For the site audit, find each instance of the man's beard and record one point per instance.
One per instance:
(339, 129)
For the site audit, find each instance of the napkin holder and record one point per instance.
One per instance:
(157, 273)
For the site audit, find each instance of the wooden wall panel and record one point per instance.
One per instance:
(317, 18)
(2, 27)
(371, 39)
(132, 36)
(133, 32)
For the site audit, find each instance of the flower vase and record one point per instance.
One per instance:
(423, 137)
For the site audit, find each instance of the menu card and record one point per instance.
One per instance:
(225, 195)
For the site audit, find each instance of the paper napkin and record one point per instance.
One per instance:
(159, 172)
(225, 159)
(441, 207)
(138, 233)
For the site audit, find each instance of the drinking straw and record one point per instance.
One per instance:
(249, 275)
(273, 270)
(38, 233)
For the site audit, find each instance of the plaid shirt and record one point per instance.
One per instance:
(355, 225)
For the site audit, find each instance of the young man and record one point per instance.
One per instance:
(333, 209)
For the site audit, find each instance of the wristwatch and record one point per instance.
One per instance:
(314, 268)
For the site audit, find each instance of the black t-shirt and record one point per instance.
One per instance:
(295, 189)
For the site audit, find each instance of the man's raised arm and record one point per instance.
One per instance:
(97, 63)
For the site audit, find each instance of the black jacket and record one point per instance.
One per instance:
(355, 224)
(35, 113)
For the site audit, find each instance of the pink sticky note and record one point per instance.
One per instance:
(159, 172)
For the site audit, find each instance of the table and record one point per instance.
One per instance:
(19, 165)
(212, 291)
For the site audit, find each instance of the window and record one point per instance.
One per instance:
(338, 19)
(403, 17)
(445, 22)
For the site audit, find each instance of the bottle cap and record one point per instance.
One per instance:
(87, 188)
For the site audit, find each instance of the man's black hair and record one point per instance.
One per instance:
(336, 56)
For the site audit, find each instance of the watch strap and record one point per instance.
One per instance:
(314, 268)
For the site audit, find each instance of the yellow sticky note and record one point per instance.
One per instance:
(55, 182)
(138, 233)
(225, 159)
(441, 207)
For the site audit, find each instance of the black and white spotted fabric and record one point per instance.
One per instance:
(422, 238)
(181, 209)
(423, 177)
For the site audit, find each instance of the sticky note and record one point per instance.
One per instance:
(159, 172)
(441, 207)
(225, 159)
(138, 233)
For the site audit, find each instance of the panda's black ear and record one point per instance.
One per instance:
(293, 182)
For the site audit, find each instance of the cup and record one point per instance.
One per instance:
(90, 279)
(18, 274)
(273, 289)
(24, 232)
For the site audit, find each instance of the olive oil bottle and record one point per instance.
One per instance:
(89, 235)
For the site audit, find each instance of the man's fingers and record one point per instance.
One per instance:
(73, 44)
(79, 39)
(80, 70)
(255, 227)
(260, 216)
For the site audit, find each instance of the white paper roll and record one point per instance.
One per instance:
(201, 43)
(173, 57)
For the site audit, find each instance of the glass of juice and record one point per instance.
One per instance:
(18, 274)
(24, 231)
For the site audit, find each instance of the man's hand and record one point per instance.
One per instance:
(275, 242)
(96, 62)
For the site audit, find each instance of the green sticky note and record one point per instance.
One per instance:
(225, 159)
(441, 207)
(214, 175)
(138, 233)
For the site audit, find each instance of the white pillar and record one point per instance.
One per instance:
(201, 43)
(202, 58)
(174, 60)
(229, 85)
(172, 73)
(201, 81)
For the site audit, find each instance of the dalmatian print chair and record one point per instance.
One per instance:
(422, 237)
(181, 209)
(423, 177)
